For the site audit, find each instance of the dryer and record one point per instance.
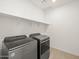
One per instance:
(43, 45)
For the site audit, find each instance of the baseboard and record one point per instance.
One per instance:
(69, 53)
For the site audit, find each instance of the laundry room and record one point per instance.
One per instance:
(39, 29)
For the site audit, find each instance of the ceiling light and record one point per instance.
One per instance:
(54, 1)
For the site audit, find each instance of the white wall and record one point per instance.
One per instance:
(13, 26)
(22, 8)
(10, 25)
(65, 27)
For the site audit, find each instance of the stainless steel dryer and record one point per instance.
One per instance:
(43, 45)
(19, 47)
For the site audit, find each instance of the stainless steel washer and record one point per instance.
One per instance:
(19, 47)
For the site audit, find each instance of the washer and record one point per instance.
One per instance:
(19, 47)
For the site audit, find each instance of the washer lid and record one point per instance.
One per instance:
(11, 42)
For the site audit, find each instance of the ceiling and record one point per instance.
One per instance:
(48, 3)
